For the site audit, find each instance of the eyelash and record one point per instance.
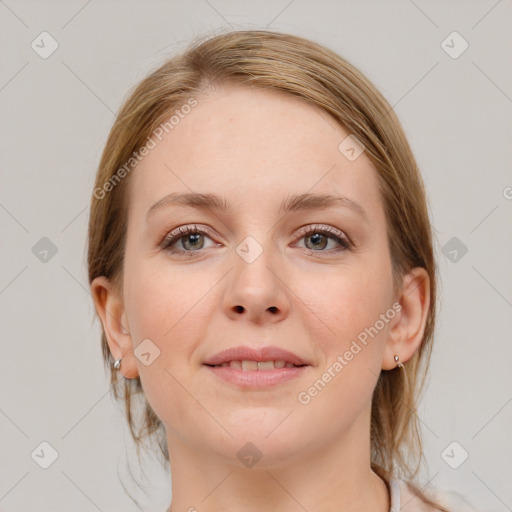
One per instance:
(182, 232)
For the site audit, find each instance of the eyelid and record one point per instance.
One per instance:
(312, 228)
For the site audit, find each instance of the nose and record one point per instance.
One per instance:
(256, 291)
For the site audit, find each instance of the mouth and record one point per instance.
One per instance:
(248, 365)
(256, 368)
(263, 358)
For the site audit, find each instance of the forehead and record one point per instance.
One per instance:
(252, 146)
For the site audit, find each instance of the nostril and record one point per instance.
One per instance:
(239, 309)
(273, 309)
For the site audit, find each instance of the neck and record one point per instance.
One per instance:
(328, 477)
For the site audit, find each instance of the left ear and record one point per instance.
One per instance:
(406, 333)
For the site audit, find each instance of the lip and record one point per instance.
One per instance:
(257, 379)
(268, 353)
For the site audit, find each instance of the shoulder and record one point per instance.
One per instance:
(449, 499)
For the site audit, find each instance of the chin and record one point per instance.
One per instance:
(264, 453)
(271, 436)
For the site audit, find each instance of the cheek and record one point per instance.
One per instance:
(357, 308)
(166, 307)
(164, 303)
(171, 306)
(349, 299)
(356, 304)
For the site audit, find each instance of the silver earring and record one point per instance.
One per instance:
(117, 364)
(397, 360)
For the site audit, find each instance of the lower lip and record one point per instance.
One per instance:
(256, 378)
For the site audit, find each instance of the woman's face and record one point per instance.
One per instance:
(252, 275)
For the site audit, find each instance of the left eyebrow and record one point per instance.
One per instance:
(296, 202)
(321, 201)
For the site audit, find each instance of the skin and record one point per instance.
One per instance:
(255, 148)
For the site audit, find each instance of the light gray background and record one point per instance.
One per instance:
(56, 113)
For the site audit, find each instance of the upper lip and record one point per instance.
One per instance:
(241, 353)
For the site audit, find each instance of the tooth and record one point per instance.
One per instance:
(249, 365)
(257, 365)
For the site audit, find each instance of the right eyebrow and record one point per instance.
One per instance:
(205, 201)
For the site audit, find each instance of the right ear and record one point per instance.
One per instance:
(110, 308)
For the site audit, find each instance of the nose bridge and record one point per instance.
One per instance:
(255, 290)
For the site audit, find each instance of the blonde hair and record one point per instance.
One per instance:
(320, 77)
